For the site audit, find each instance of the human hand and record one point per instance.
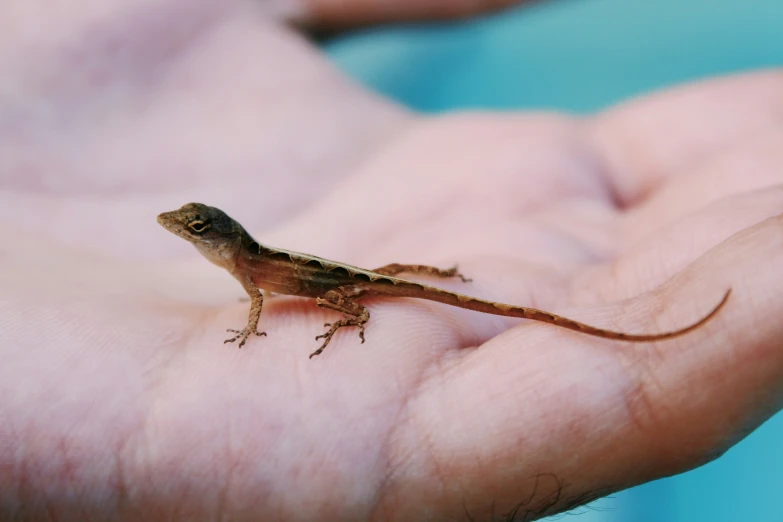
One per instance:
(119, 398)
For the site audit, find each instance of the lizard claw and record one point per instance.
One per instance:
(454, 270)
(242, 336)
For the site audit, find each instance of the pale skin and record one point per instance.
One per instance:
(338, 286)
(119, 400)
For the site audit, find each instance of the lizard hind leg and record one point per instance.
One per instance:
(354, 314)
(395, 268)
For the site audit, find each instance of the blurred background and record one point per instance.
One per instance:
(581, 56)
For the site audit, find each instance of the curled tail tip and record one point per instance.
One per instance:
(701, 322)
(724, 300)
(712, 313)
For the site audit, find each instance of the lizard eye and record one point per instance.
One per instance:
(198, 226)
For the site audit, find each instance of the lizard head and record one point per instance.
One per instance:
(212, 231)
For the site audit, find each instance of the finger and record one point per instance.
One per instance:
(166, 121)
(463, 172)
(115, 148)
(647, 141)
(336, 14)
(690, 403)
(749, 165)
(652, 260)
(601, 418)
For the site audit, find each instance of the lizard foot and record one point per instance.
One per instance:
(452, 272)
(333, 327)
(243, 335)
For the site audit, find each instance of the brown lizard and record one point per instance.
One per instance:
(338, 286)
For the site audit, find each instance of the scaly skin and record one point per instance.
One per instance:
(337, 286)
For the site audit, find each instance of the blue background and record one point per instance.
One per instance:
(582, 55)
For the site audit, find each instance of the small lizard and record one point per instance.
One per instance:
(338, 286)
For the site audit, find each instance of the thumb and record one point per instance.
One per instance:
(691, 405)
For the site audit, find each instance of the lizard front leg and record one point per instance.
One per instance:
(256, 302)
(354, 315)
(395, 268)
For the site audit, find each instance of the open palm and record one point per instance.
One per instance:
(120, 399)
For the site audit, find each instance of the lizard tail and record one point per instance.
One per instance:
(429, 293)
